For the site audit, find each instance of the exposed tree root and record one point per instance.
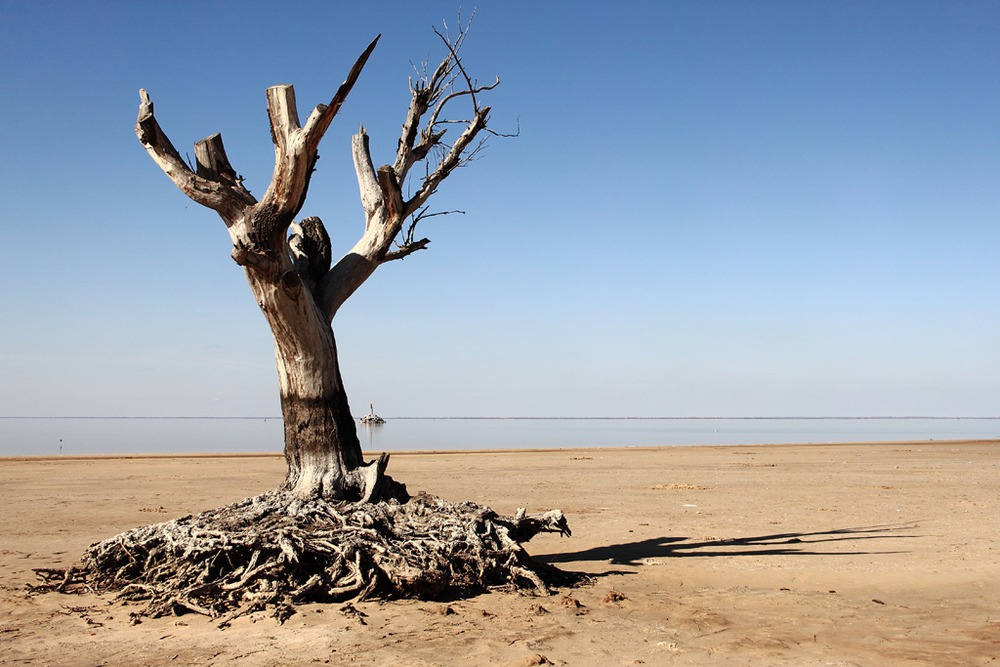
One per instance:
(275, 551)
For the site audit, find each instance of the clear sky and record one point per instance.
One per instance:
(713, 208)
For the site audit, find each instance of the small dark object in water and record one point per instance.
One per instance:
(371, 417)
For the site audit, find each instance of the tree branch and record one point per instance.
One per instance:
(321, 117)
(381, 190)
(438, 91)
(225, 198)
(295, 152)
(371, 193)
(392, 197)
(405, 250)
(454, 159)
(470, 88)
(470, 91)
(422, 96)
(213, 164)
(283, 114)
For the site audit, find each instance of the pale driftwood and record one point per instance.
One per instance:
(277, 551)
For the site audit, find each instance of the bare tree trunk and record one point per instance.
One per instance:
(322, 448)
(321, 440)
(321, 444)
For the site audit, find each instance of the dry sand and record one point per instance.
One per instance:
(877, 554)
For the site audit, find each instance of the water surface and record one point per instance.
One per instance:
(78, 436)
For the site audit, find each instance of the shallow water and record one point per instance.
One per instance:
(76, 436)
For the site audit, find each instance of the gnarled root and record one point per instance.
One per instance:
(277, 550)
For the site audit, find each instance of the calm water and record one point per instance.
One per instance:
(73, 436)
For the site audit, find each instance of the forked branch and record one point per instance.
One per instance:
(296, 151)
(422, 139)
(407, 245)
(214, 185)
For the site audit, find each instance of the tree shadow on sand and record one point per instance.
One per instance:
(779, 544)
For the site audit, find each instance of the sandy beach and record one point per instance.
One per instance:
(870, 554)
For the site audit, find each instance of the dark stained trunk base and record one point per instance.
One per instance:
(324, 455)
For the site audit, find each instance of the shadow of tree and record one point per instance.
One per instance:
(779, 544)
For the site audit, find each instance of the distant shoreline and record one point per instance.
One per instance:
(971, 442)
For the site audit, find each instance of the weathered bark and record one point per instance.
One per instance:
(321, 443)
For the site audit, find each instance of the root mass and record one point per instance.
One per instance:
(276, 550)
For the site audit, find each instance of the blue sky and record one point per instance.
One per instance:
(724, 208)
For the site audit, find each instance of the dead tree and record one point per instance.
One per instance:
(321, 535)
(288, 265)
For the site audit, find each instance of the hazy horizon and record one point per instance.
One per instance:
(48, 436)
